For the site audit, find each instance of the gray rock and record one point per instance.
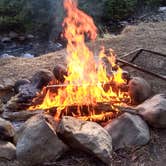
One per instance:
(7, 151)
(154, 111)
(6, 39)
(7, 131)
(59, 72)
(22, 100)
(13, 115)
(6, 93)
(124, 23)
(139, 90)
(128, 131)
(8, 82)
(13, 35)
(20, 83)
(25, 91)
(86, 136)
(1, 106)
(22, 38)
(6, 56)
(1, 87)
(27, 55)
(162, 9)
(30, 36)
(42, 78)
(58, 45)
(37, 141)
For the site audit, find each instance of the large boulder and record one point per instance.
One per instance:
(7, 151)
(154, 111)
(37, 141)
(7, 131)
(128, 131)
(86, 136)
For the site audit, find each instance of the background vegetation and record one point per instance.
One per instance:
(38, 15)
(25, 15)
(122, 9)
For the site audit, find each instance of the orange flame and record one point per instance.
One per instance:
(86, 77)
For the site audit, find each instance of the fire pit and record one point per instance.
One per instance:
(96, 106)
(91, 89)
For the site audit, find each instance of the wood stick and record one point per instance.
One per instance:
(78, 85)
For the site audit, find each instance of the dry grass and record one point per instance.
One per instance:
(145, 35)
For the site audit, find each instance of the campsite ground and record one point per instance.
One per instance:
(145, 35)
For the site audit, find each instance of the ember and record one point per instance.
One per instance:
(88, 82)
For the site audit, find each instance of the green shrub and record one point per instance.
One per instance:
(26, 15)
(152, 3)
(9, 13)
(119, 9)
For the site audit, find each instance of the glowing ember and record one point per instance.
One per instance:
(86, 77)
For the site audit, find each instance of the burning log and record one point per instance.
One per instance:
(100, 112)
(98, 118)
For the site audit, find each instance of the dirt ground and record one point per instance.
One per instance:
(145, 35)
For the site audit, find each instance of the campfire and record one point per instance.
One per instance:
(92, 89)
(90, 105)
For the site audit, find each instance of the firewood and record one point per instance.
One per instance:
(109, 111)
